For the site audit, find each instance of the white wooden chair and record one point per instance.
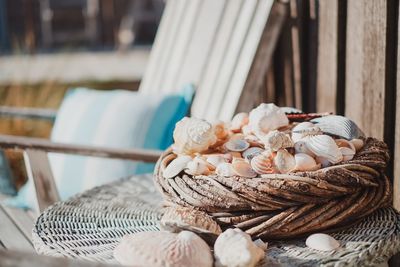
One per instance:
(222, 47)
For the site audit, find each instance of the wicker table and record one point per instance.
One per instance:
(90, 225)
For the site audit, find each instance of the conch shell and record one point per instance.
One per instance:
(160, 249)
(263, 163)
(265, 118)
(276, 140)
(193, 135)
(324, 146)
(284, 161)
(235, 248)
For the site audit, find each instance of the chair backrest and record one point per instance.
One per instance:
(211, 44)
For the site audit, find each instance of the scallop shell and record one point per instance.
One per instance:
(324, 146)
(163, 249)
(225, 169)
(193, 135)
(347, 153)
(176, 166)
(345, 143)
(339, 126)
(242, 168)
(263, 163)
(265, 118)
(296, 131)
(301, 147)
(235, 248)
(284, 161)
(358, 143)
(322, 242)
(305, 162)
(251, 152)
(237, 145)
(238, 121)
(197, 166)
(276, 140)
(216, 159)
(176, 219)
(324, 162)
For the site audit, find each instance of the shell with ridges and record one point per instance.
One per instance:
(276, 140)
(235, 248)
(176, 166)
(305, 162)
(322, 242)
(324, 146)
(284, 161)
(263, 163)
(193, 135)
(339, 126)
(163, 249)
(296, 131)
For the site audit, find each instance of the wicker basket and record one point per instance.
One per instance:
(278, 206)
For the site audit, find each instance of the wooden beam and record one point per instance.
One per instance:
(365, 65)
(23, 143)
(28, 113)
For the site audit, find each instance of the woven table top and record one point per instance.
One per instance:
(90, 225)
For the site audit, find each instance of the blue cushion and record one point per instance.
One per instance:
(118, 119)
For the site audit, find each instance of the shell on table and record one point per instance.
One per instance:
(251, 152)
(296, 131)
(339, 126)
(324, 146)
(163, 249)
(176, 219)
(225, 169)
(265, 118)
(198, 166)
(284, 161)
(237, 145)
(235, 248)
(243, 168)
(276, 140)
(192, 135)
(322, 242)
(239, 121)
(176, 166)
(305, 162)
(263, 163)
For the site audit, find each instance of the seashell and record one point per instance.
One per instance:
(277, 140)
(300, 147)
(324, 162)
(197, 166)
(347, 153)
(176, 166)
(237, 136)
(305, 162)
(176, 219)
(163, 249)
(246, 130)
(345, 143)
(237, 145)
(296, 131)
(216, 159)
(339, 126)
(251, 152)
(324, 146)
(263, 163)
(193, 135)
(242, 168)
(225, 169)
(235, 248)
(238, 121)
(284, 161)
(265, 118)
(220, 130)
(261, 244)
(358, 143)
(322, 242)
(315, 130)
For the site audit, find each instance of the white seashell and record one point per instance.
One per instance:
(300, 147)
(322, 242)
(324, 146)
(235, 248)
(197, 166)
(276, 140)
(263, 163)
(338, 126)
(246, 130)
(358, 143)
(251, 152)
(237, 145)
(176, 166)
(305, 162)
(296, 131)
(225, 169)
(265, 118)
(193, 135)
(216, 159)
(284, 161)
(238, 121)
(242, 168)
(220, 130)
(323, 161)
(315, 130)
(345, 143)
(163, 249)
(347, 153)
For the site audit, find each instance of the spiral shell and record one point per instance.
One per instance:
(163, 249)
(284, 161)
(263, 163)
(265, 118)
(276, 140)
(193, 135)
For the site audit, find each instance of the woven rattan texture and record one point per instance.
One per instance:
(90, 225)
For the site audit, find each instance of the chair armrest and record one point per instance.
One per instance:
(28, 113)
(29, 143)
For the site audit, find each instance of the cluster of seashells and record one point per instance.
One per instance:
(262, 142)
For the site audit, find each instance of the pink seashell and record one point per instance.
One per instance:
(216, 159)
(225, 169)
(284, 161)
(237, 145)
(345, 143)
(263, 164)
(358, 143)
(242, 168)
(347, 153)
(305, 162)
